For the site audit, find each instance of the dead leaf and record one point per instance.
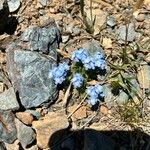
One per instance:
(107, 43)
(144, 77)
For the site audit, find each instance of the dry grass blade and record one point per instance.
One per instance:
(67, 94)
(64, 54)
(79, 105)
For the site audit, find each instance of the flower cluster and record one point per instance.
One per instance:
(82, 61)
(59, 73)
(77, 80)
(94, 93)
(89, 62)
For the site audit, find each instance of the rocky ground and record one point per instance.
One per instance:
(35, 113)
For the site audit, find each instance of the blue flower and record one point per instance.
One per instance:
(88, 63)
(99, 61)
(79, 55)
(59, 73)
(77, 80)
(94, 92)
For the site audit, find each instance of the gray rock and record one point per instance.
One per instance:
(32, 81)
(93, 47)
(45, 40)
(122, 98)
(2, 146)
(111, 21)
(93, 140)
(8, 131)
(8, 100)
(29, 70)
(109, 97)
(65, 38)
(13, 5)
(35, 113)
(121, 32)
(76, 31)
(43, 2)
(25, 134)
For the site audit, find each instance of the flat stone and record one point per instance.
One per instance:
(121, 32)
(94, 140)
(28, 72)
(13, 5)
(48, 125)
(8, 131)
(25, 133)
(8, 100)
(25, 117)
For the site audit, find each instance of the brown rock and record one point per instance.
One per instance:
(48, 125)
(104, 110)
(78, 114)
(25, 117)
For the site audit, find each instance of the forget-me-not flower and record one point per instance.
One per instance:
(99, 60)
(59, 73)
(79, 55)
(94, 93)
(77, 80)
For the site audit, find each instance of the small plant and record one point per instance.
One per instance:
(88, 22)
(84, 68)
(130, 113)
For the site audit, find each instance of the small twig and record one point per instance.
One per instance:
(64, 54)
(67, 94)
(79, 105)
(88, 121)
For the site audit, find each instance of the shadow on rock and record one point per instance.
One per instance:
(90, 139)
(8, 23)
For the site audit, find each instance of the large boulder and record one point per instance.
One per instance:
(29, 61)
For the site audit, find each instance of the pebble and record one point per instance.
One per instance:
(13, 5)
(76, 31)
(65, 38)
(140, 17)
(121, 32)
(25, 134)
(111, 21)
(8, 100)
(47, 126)
(43, 2)
(25, 117)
